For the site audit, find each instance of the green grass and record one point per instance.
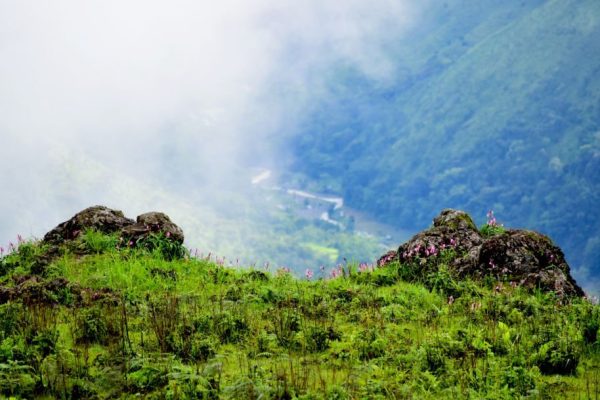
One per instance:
(189, 328)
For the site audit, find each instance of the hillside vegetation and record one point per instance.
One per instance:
(491, 104)
(104, 320)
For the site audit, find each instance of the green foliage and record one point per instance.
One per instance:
(558, 356)
(98, 242)
(216, 332)
(10, 320)
(26, 257)
(92, 327)
(167, 248)
(488, 230)
(489, 104)
(146, 379)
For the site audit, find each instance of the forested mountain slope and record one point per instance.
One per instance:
(492, 105)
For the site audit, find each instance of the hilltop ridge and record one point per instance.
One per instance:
(106, 317)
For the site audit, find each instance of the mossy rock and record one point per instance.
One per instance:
(523, 257)
(454, 219)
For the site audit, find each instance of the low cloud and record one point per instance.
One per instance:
(179, 94)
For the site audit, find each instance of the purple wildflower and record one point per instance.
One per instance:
(308, 273)
(432, 250)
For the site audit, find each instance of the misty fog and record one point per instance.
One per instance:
(155, 105)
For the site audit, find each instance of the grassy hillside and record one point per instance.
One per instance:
(493, 105)
(129, 323)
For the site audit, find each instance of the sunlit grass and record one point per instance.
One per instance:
(191, 328)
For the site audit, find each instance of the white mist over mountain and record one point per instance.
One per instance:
(105, 102)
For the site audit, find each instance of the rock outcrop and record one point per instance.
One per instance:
(152, 222)
(100, 218)
(523, 257)
(106, 220)
(529, 258)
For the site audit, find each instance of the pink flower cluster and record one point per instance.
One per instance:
(491, 219)
(390, 256)
(337, 272)
(308, 273)
(429, 250)
(11, 246)
(364, 267)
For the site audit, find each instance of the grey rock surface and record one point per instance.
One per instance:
(524, 257)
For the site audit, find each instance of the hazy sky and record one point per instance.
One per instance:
(97, 93)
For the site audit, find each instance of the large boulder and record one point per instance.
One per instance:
(529, 258)
(106, 220)
(99, 218)
(523, 257)
(452, 229)
(152, 223)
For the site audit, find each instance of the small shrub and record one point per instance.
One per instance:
(519, 380)
(10, 318)
(371, 345)
(557, 356)
(265, 343)
(258, 276)
(146, 379)
(159, 243)
(16, 380)
(591, 326)
(286, 323)
(337, 393)
(442, 281)
(317, 339)
(91, 327)
(27, 257)
(229, 328)
(44, 342)
(83, 389)
(203, 348)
